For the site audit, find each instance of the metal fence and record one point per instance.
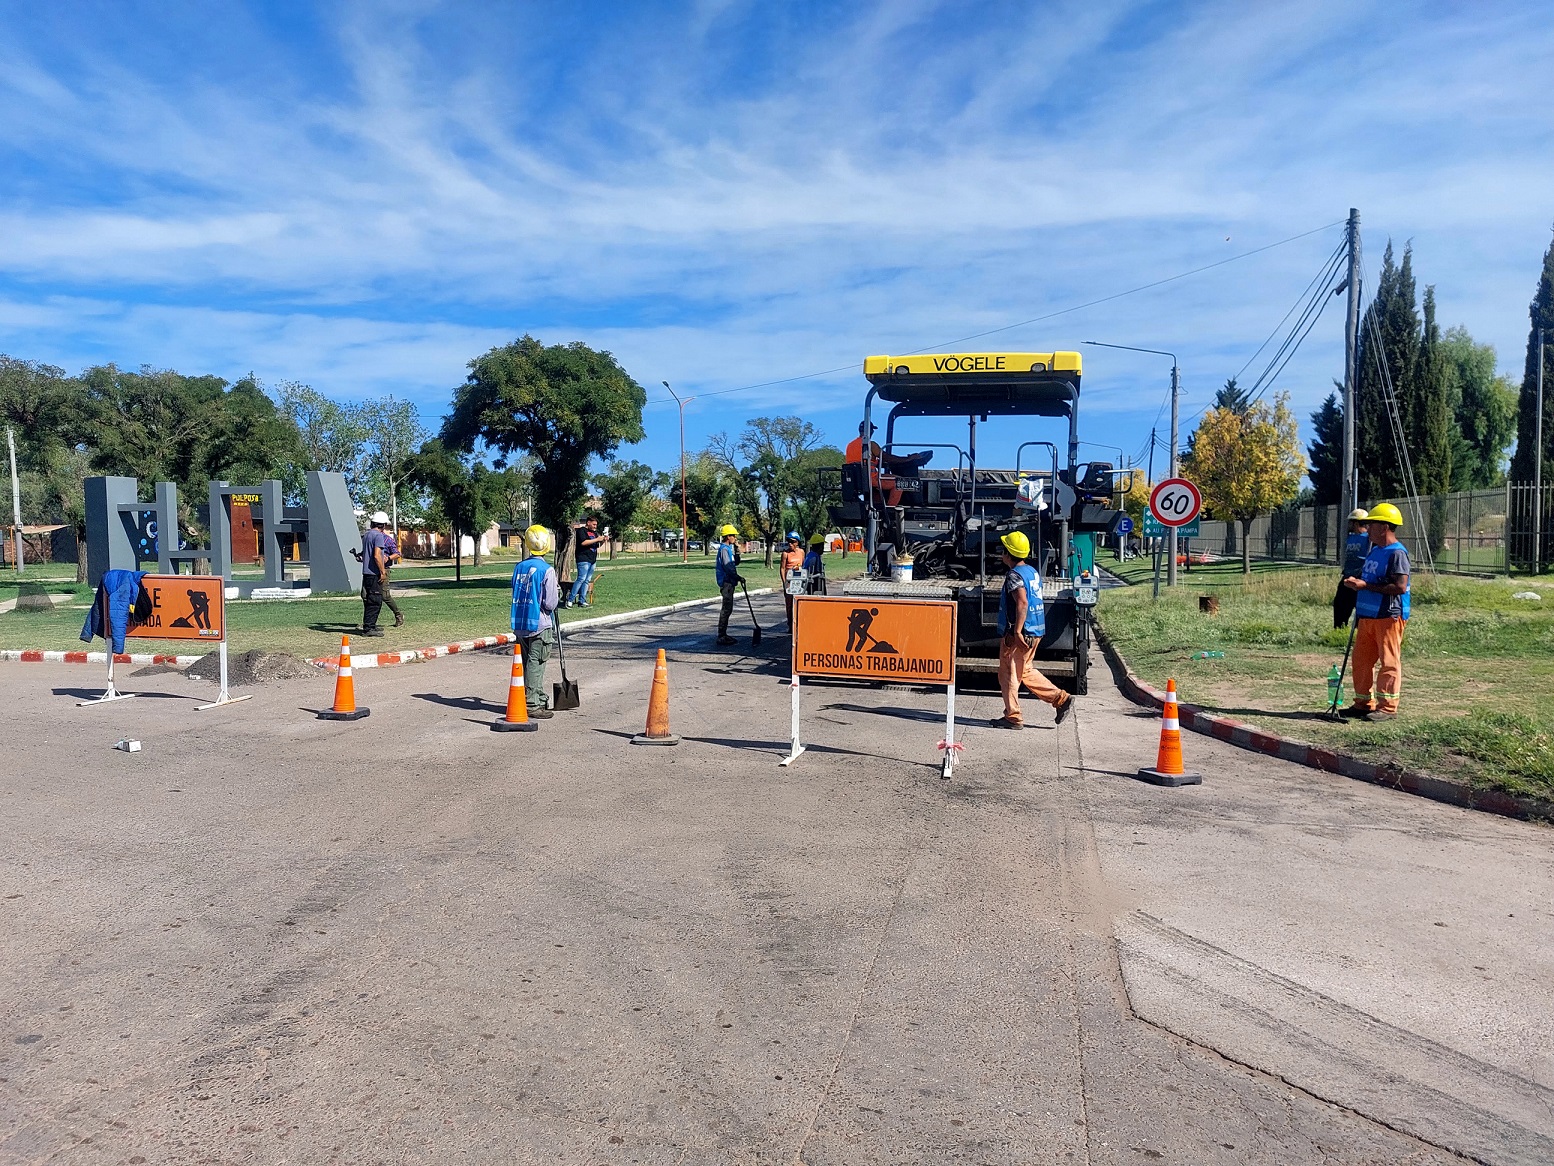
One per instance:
(1469, 533)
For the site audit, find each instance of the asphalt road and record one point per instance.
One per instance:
(267, 938)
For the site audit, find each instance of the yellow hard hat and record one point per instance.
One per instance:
(1386, 512)
(1358, 514)
(728, 529)
(1017, 544)
(817, 540)
(537, 538)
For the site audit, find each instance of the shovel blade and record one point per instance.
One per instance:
(564, 695)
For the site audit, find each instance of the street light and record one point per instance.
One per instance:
(685, 534)
(1176, 392)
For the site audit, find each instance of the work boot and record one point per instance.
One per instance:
(372, 631)
(1060, 714)
(725, 641)
(1355, 712)
(1380, 715)
(1005, 723)
(540, 714)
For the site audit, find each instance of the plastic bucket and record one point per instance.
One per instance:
(903, 570)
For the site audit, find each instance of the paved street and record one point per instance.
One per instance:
(267, 938)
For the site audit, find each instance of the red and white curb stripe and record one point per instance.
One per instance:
(1438, 789)
(32, 656)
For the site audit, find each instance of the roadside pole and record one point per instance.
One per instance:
(1349, 496)
(1176, 392)
(1537, 469)
(16, 499)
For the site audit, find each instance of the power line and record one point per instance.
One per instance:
(1025, 323)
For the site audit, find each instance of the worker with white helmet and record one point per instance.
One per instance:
(1357, 544)
(536, 594)
(728, 577)
(1022, 621)
(1382, 605)
(374, 555)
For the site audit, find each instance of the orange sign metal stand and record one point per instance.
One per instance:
(910, 641)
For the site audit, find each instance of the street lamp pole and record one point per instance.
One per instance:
(1537, 467)
(685, 534)
(1176, 393)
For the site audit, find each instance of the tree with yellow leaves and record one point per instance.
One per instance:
(1247, 463)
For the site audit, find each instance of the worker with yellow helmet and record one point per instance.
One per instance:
(728, 577)
(1382, 605)
(1022, 621)
(536, 594)
(1357, 545)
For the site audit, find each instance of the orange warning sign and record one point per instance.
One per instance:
(910, 640)
(183, 607)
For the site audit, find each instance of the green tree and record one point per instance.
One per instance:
(622, 490)
(463, 490)
(710, 498)
(1541, 311)
(331, 435)
(51, 419)
(1434, 423)
(1485, 412)
(392, 436)
(812, 490)
(1247, 464)
(564, 404)
(1388, 354)
(252, 440)
(1326, 453)
(761, 464)
(513, 493)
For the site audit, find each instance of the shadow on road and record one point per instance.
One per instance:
(469, 704)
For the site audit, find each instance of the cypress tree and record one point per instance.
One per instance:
(1542, 312)
(1390, 337)
(1433, 416)
(1326, 452)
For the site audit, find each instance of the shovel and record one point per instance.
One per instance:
(564, 695)
(755, 640)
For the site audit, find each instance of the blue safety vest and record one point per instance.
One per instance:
(1035, 611)
(1356, 547)
(528, 589)
(1378, 565)
(727, 571)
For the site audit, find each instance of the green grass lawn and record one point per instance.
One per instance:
(446, 613)
(1478, 666)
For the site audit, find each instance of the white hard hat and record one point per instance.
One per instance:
(379, 518)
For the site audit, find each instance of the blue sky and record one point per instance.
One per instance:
(364, 196)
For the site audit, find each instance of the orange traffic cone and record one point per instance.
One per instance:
(517, 718)
(345, 689)
(657, 732)
(1168, 768)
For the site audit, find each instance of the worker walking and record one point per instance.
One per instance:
(792, 560)
(728, 577)
(1382, 605)
(815, 565)
(374, 556)
(1357, 544)
(536, 595)
(1022, 621)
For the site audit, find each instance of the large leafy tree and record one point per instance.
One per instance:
(463, 490)
(253, 439)
(710, 498)
(622, 490)
(1247, 463)
(1485, 411)
(51, 419)
(392, 436)
(332, 435)
(762, 466)
(812, 490)
(563, 403)
(1541, 311)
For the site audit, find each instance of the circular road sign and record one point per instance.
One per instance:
(1125, 525)
(1175, 502)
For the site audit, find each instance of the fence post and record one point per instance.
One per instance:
(1506, 535)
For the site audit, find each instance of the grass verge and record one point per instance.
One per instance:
(1478, 667)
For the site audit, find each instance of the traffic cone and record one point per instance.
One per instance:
(657, 732)
(517, 718)
(345, 690)
(1168, 769)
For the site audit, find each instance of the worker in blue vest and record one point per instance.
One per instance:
(815, 565)
(728, 577)
(1022, 621)
(536, 593)
(1382, 605)
(1357, 544)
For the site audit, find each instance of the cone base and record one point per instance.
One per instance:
(1155, 777)
(353, 715)
(515, 726)
(666, 739)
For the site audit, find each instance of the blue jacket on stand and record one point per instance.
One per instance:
(123, 592)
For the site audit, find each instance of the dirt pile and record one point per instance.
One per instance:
(253, 667)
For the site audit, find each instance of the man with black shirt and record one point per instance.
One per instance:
(374, 554)
(586, 552)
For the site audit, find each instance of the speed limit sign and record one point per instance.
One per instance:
(1175, 502)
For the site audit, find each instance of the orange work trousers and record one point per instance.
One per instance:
(1015, 669)
(1378, 664)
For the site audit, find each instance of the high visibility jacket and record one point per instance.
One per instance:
(1356, 547)
(1378, 565)
(813, 564)
(727, 568)
(529, 616)
(1035, 611)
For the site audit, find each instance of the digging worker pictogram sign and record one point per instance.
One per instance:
(908, 641)
(183, 607)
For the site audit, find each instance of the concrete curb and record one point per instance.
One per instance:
(498, 639)
(33, 656)
(1423, 785)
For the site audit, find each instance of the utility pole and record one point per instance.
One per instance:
(16, 492)
(685, 534)
(1537, 468)
(1349, 495)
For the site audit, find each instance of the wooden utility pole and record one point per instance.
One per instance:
(1349, 495)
